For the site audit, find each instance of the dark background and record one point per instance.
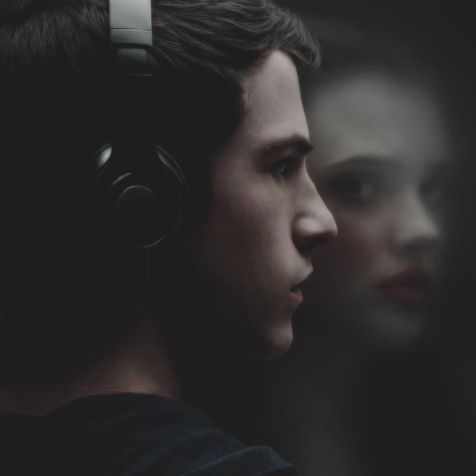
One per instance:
(447, 25)
(447, 32)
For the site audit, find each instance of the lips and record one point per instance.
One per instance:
(296, 295)
(411, 286)
(296, 292)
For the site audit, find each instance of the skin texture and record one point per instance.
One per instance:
(266, 218)
(381, 149)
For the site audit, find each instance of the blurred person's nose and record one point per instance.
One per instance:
(414, 231)
(313, 224)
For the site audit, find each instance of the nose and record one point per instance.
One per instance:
(314, 224)
(415, 230)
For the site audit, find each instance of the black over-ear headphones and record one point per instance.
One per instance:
(139, 191)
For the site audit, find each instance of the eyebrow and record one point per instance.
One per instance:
(367, 160)
(382, 162)
(296, 142)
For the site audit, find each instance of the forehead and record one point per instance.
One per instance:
(273, 115)
(273, 106)
(372, 114)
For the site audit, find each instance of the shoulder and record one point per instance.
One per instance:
(144, 435)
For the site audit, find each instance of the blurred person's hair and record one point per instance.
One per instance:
(349, 47)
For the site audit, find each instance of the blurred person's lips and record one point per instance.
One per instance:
(296, 291)
(410, 286)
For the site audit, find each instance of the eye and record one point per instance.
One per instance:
(356, 188)
(434, 190)
(359, 189)
(286, 166)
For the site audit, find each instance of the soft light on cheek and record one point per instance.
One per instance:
(354, 250)
(359, 229)
(360, 238)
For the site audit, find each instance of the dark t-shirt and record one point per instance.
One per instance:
(128, 434)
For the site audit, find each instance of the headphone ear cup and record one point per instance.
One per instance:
(139, 220)
(137, 206)
(144, 206)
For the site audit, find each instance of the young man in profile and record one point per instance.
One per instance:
(105, 294)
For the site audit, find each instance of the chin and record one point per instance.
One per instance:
(277, 343)
(247, 343)
(394, 331)
(263, 344)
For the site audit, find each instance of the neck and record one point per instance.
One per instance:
(140, 364)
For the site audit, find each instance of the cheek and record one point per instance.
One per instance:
(245, 230)
(359, 236)
(250, 212)
(356, 252)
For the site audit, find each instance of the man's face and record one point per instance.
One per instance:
(248, 259)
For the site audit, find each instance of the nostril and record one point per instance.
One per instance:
(313, 228)
(314, 242)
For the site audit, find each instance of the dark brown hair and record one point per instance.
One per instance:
(61, 299)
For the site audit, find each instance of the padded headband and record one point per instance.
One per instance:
(131, 34)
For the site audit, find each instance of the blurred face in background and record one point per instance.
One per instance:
(381, 152)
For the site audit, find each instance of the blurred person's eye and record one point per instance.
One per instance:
(360, 189)
(434, 190)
